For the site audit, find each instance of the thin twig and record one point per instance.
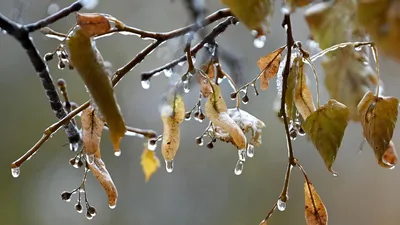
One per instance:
(264, 221)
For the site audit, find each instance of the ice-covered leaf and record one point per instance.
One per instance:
(269, 66)
(89, 63)
(92, 129)
(93, 24)
(216, 111)
(315, 211)
(380, 18)
(378, 117)
(326, 128)
(255, 14)
(172, 114)
(303, 97)
(150, 163)
(101, 173)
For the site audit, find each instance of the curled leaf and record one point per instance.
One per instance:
(92, 129)
(172, 114)
(315, 211)
(205, 86)
(216, 111)
(89, 63)
(378, 117)
(269, 66)
(150, 163)
(303, 97)
(99, 170)
(255, 14)
(93, 24)
(326, 128)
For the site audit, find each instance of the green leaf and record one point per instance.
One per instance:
(326, 128)
(378, 117)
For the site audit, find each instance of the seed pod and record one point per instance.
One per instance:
(216, 111)
(172, 114)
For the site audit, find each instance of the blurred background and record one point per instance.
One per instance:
(202, 188)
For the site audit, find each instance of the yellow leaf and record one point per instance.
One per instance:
(255, 14)
(326, 128)
(172, 114)
(93, 24)
(380, 18)
(205, 86)
(149, 162)
(216, 111)
(92, 129)
(269, 66)
(99, 170)
(303, 97)
(315, 211)
(89, 63)
(378, 117)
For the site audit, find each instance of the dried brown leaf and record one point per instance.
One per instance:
(315, 211)
(216, 111)
(380, 18)
(269, 66)
(89, 63)
(326, 128)
(172, 114)
(255, 14)
(303, 97)
(93, 24)
(99, 170)
(92, 128)
(378, 117)
(150, 163)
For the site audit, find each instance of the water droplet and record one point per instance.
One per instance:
(145, 84)
(188, 118)
(260, 41)
(152, 144)
(82, 190)
(335, 174)
(242, 154)
(186, 87)
(199, 141)
(169, 165)
(53, 8)
(250, 151)
(3, 31)
(73, 146)
(358, 48)
(193, 59)
(239, 167)
(89, 4)
(15, 171)
(112, 206)
(168, 72)
(89, 216)
(281, 205)
(117, 152)
(286, 9)
(181, 63)
(68, 200)
(90, 158)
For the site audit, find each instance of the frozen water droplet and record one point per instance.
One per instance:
(186, 87)
(152, 144)
(53, 8)
(188, 118)
(168, 72)
(90, 158)
(117, 152)
(193, 59)
(15, 171)
(358, 48)
(335, 174)
(169, 165)
(286, 9)
(88, 216)
(68, 200)
(145, 84)
(181, 63)
(73, 146)
(260, 41)
(112, 206)
(89, 4)
(239, 167)
(3, 31)
(242, 154)
(281, 205)
(250, 151)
